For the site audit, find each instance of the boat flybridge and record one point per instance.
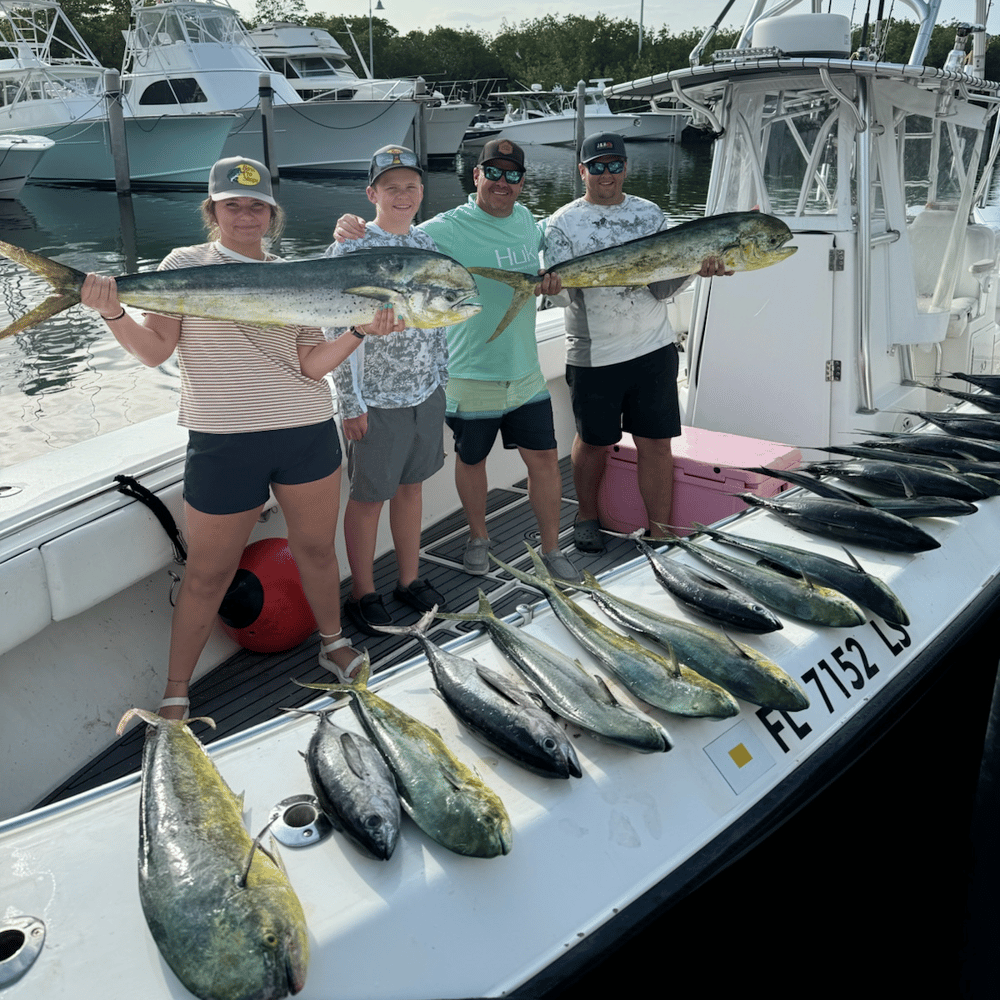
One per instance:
(876, 167)
(316, 65)
(183, 57)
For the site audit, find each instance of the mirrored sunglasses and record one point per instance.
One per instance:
(495, 173)
(399, 158)
(597, 167)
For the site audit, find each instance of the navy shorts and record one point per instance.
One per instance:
(530, 426)
(639, 396)
(231, 473)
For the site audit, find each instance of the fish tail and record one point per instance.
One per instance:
(417, 628)
(485, 611)
(524, 289)
(66, 282)
(152, 719)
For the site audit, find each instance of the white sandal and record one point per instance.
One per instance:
(184, 703)
(344, 674)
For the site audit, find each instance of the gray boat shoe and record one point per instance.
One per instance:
(559, 565)
(476, 559)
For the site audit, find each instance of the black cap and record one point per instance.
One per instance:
(602, 144)
(502, 149)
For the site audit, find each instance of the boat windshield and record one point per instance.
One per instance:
(783, 154)
(168, 23)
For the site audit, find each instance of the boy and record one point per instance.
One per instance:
(392, 402)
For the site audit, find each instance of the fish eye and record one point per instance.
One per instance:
(270, 939)
(549, 743)
(373, 822)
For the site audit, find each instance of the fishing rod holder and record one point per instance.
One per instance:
(298, 821)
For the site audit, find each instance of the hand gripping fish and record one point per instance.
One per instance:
(219, 906)
(427, 289)
(746, 241)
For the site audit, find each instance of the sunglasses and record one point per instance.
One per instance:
(398, 157)
(597, 167)
(495, 173)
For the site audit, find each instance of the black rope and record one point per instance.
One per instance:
(132, 488)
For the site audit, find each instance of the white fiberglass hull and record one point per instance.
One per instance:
(19, 156)
(169, 150)
(560, 130)
(322, 137)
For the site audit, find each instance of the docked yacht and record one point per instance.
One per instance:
(876, 168)
(19, 155)
(316, 65)
(548, 118)
(182, 58)
(52, 85)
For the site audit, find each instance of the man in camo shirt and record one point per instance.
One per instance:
(621, 355)
(392, 403)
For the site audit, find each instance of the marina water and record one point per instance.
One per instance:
(68, 380)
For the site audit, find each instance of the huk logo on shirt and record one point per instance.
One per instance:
(514, 258)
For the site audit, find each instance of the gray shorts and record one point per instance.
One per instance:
(401, 446)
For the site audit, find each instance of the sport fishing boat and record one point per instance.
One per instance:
(876, 168)
(51, 85)
(548, 118)
(317, 66)
(181, 58)
(19, 155)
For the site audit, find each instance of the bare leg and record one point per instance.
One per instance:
(405, 513)
(588, 470)
(215, 545)
(311, 511)
(544, 492)
(360, 536)
(655, 462)
(470, 480)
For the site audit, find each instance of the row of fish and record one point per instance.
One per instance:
(219, 903)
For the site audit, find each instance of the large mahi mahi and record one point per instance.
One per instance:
(220, 908)
(744, 241)
(428, 289)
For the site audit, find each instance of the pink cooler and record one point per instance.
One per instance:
(706, 475)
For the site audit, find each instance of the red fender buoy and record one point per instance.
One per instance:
(265, 609)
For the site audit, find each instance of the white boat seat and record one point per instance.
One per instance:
(929, 235)
(105, 556)
(83, 567)
(24, 590)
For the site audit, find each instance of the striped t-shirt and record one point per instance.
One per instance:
(236, 377)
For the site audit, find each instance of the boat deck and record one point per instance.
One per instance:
(250, 688)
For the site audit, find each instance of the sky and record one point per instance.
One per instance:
(678, 15)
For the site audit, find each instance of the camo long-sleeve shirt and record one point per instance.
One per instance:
(400, 369)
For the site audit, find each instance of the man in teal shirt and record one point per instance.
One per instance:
(497, 386)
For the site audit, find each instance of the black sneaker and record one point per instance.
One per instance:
(367, 612)
(419, 595)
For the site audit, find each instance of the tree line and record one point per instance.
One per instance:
(549, 50)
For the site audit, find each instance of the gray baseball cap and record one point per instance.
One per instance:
(240, 177)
